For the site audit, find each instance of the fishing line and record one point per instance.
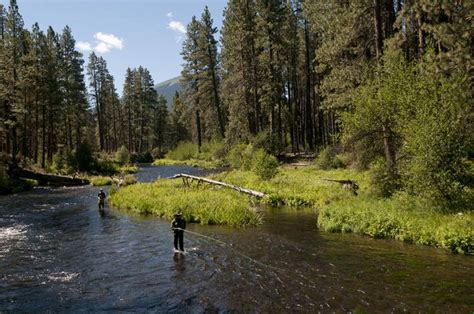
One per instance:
(230, 246)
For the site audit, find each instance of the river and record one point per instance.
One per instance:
(58, 254)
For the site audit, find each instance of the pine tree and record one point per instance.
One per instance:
(12, 52)
(73, 89)
(209, 82)
(191, 77)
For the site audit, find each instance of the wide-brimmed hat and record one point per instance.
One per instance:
(178, 214)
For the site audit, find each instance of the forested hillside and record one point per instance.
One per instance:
(168, 89)
(387, 83)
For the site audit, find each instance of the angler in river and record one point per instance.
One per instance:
(101, 198)
(178, 224)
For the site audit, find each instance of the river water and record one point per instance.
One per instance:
(58, 254)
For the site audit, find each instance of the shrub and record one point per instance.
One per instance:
(129, 180)
(141, 158)
(264, 165)
(270, 143)
(240, 156)
(106, 167)
(184, 151)
(58, 163)
(384, 182)
(101, 181)
(157, 153)
(122, 156)
(128, 169)
(213, 150)
(328, 159)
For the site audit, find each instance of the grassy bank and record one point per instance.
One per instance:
(400, 217)
(204, 204)
(203, 164)
(298, 187)
(129, 179)
(10, 186)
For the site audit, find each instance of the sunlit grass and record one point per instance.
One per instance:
(128, 169)
(204, 204)
(100, 181)
(203, 164)
(298, 187)
(402, 218)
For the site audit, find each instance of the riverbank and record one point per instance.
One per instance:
(400, 217)
(202, 204)
(197, 163)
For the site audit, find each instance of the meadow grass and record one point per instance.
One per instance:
(400, 217)
(198, 163)
(128, 169)
(298, 187)
(101, 181)
(204, 204)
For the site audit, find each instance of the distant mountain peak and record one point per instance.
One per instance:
(168, 89)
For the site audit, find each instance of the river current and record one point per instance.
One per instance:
(58, 254)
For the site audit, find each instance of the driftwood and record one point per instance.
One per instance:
(49, 179)
(346, 184)
(187, 177)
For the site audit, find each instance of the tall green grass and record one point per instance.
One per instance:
(298, 187)
(101, 181)
(204, 204)
(204, 164)
(401, 218)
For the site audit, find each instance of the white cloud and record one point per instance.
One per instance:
(169, 14)
(83, 46)
(177, 26)
(102, 48)
(103, 43)
(112, 41)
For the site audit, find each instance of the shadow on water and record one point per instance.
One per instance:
(57, 252)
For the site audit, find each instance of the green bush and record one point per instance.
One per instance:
(240, 156)
(157, 153)
(107, 167)
(384, 181)
(128, 169)
(328, 159)
(101, 181)
(145, 157)
(213, 150)
(427, 118)
(184, 151)
(122, 156)
(268, 142)
(264, 165)
(129, 180)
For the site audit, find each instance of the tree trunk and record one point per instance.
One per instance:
(198, 130)
(214, 182)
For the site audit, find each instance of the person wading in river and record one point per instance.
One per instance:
(101, 198)
(178, 224)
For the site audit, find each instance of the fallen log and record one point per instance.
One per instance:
(346, 184)
(49, 179)
(185, 177)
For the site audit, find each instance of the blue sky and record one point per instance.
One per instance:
(127, 33)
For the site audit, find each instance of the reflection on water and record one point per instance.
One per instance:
(58, 253)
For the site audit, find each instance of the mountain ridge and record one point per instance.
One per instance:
(168, 89)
